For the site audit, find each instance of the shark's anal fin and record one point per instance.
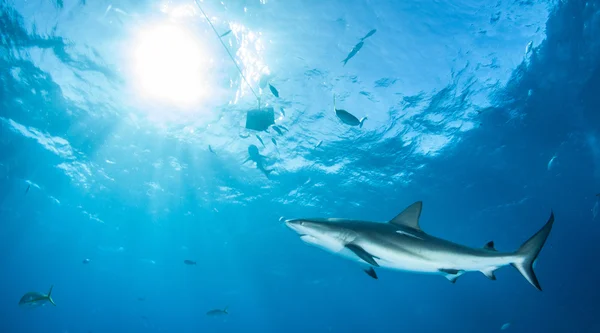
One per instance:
(489, 272)
(409, 216)
(362, 254)
(490, 246)
(371, 273)
(451, 274)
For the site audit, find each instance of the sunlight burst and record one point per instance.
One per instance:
(168, 65)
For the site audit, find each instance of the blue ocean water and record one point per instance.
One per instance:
(488, 112)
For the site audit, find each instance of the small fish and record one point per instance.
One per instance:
(346, 117)
(354, 51)
(277, 130)
(274, 142)
(319, 144)
(217, 312)
(274, 91)
(189, 262)
(371, 33)
(283, 128)
(505, 326)
(28, 187)
(225, 33)
(259, 139)
(34, 299)
(86, 261)
(211, 150)
(282, 111)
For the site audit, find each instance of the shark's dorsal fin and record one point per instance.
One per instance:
(490, 246)
(409, 216)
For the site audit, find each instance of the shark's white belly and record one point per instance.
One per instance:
(427, 261)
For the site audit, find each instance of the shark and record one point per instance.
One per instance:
(401, 244)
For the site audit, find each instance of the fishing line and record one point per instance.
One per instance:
(229, 53)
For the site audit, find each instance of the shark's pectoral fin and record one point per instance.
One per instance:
(489, 273)
(490, 246)
(371, 273)
(451, 274)
(362, 254)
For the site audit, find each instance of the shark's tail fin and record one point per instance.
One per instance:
(529, 251)
(50, 296)
(362, 121)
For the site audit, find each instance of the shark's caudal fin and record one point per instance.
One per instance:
(362, 121)
(529, 251)
(50, 296)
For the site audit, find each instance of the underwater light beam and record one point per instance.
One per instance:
(168, 65)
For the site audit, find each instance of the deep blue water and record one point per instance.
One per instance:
(488, 112)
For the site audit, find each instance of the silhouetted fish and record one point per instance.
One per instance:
(217, 312)
(259, 139)
(371, 33)
(346, 117)
(354, 51)
(274, 91)
(211, 150)
(34, 299)
(276, 129)
(28, 187)
(225, 34)
(274, 142)
(189, 262)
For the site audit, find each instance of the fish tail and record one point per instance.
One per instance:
(225, 310)
(529, 251)
(50, 296)
(362, 121)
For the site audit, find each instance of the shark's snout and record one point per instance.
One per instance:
(294, 224)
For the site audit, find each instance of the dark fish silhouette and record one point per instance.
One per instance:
(346, 117)
(28, 187)
(354, 51)
(274, 91)
(211, 150)
(189, 262)
(259, 139)
(35, 299)
(257, 158)
(217, 312)
(274, 142)
(225, 34)
(371, 33)
(278, 130)
(282, 111)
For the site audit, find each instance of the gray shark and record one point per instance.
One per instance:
(400, 244)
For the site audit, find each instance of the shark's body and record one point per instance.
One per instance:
(401, 244)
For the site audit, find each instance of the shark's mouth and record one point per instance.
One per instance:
(308, 238)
